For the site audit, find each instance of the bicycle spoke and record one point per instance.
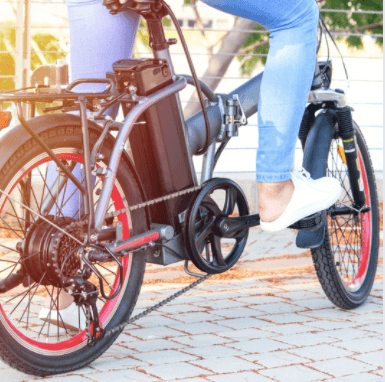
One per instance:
(25, 294)
(37, 203)
(53, 198)
(10, 228)
(56, 305)
(17, 217)
(14, 266)
(44, 182)
(28, 257)
(28, 221)
(8, 261)
(9, 248)
(20, 261)
(72, 194)
(345, 230)
(29, 302)
(23, 303)
(48, 318)
(64, 192)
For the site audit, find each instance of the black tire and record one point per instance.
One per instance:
(30, 354)
(346, 262)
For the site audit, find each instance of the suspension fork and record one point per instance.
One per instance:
(347, 133)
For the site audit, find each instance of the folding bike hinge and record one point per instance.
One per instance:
(233, 116)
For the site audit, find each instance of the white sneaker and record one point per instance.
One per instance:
(309, 196)
(67, 318)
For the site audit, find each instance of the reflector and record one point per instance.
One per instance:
(5, 119)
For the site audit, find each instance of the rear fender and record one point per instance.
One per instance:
(17, 136)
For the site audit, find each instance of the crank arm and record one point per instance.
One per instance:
(231, 227)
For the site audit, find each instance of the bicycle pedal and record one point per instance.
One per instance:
(309, 223)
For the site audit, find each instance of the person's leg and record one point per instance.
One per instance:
(285, 88)
(97, 40)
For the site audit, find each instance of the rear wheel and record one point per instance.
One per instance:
(27, 342)
(346, 262)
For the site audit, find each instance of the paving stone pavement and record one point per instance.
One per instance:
(244, 330)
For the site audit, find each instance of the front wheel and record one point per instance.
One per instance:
(346, 262)
(48, 345)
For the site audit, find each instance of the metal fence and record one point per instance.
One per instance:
(366, 82)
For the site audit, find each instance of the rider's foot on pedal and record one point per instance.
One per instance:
(308, 196)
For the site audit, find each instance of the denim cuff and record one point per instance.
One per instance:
(271, 177)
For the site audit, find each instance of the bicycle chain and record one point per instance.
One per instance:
(156, 306)
(121, 326)
(154, 201)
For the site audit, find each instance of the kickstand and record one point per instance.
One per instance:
(200, 275)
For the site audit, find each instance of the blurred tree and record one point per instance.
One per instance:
(258, 43)
(344, 22)
(41, 42)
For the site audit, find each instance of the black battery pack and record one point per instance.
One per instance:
(146, 75)
(162, 160)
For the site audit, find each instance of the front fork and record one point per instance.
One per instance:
(346, 132)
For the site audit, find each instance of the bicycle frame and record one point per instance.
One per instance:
(193, 128)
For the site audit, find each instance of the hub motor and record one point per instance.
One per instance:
(49, 256)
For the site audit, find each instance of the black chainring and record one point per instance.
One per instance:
(204, 243)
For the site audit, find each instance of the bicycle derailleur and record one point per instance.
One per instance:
(85, 295)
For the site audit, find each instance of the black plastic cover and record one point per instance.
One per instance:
(146, 75)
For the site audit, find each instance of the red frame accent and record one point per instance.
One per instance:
(136, 243)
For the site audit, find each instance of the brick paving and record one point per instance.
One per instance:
(248, 329)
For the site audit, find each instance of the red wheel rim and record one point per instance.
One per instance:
(350, 235)
(366, 228)
(80, 339)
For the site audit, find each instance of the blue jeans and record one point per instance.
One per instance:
(98, 39)
(287, 77)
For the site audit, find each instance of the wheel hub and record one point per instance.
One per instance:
(50, 257)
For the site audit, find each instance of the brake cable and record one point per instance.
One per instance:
(195, 77)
